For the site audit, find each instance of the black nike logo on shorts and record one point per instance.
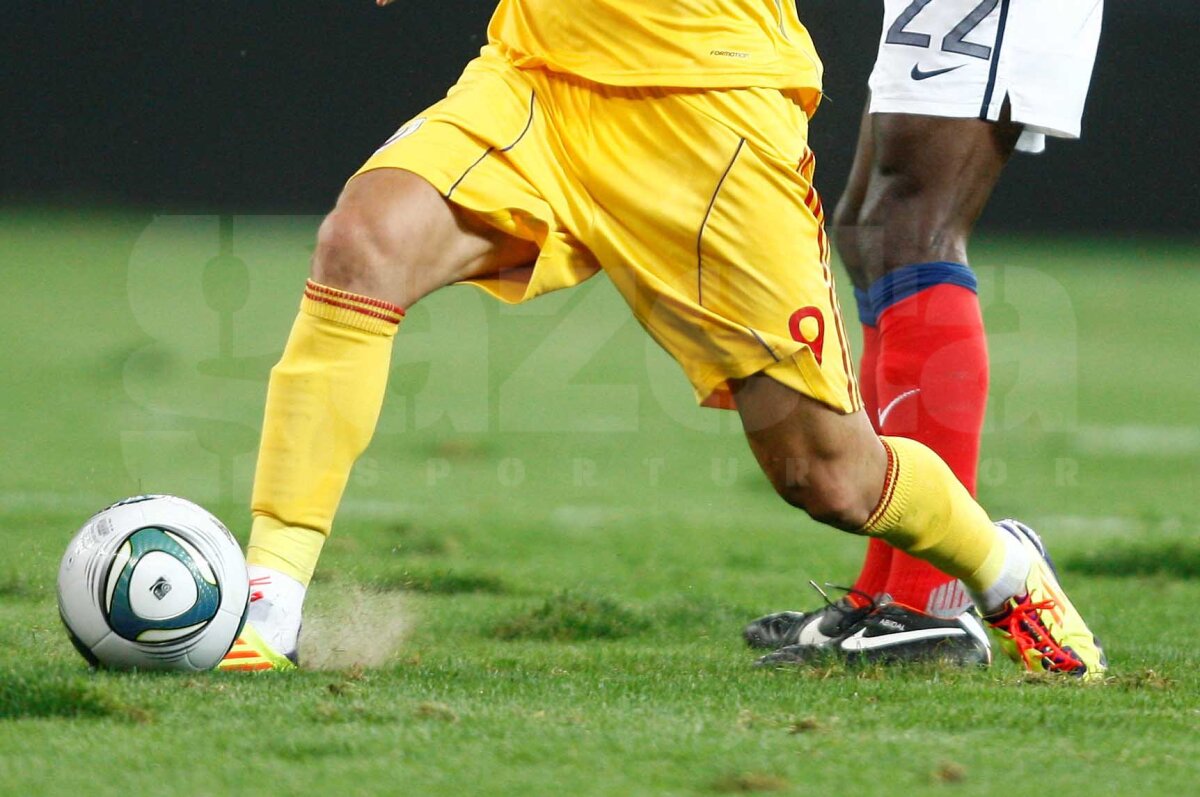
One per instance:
(917, 74)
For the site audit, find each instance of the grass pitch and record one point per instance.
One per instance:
(544, 561)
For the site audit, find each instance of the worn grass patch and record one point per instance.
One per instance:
(443, 582)
(27, 698)
(1176, 559)
(697, 616)
(413, 539)
(567, 617)
(15, 586)
(749, 783)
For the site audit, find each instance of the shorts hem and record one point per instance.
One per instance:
(962, 110)
(712, 390)
(514, 285)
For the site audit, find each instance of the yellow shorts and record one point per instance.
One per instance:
(698, 205)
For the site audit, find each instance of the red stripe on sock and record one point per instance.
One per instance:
(353, 307)
(352, 297)
(889, 487)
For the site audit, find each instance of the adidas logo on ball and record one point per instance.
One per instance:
(160, 588)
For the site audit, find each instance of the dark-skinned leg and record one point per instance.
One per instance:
(848, 235)
(930, 178)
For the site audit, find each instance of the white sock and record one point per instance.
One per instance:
(1011, 582)
(276, 601)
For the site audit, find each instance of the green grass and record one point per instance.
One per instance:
(545, 558)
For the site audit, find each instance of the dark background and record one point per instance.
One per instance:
(244, 107)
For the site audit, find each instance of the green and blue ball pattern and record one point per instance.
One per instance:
(124, 619)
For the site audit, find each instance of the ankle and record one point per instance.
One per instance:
(1008, 582)
(276, 604)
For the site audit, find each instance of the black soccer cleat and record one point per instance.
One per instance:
(894, 633)
(816, 629)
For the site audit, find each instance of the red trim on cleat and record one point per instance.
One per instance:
(256, 667)
(1023, 624)
(251, 652)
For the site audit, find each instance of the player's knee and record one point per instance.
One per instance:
(354, 250)
(826, 491)
(837, 505)
(916, 222)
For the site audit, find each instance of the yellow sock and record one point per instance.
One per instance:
(925, 511)
(323, 402)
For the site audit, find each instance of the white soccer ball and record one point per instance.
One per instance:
(153, 582)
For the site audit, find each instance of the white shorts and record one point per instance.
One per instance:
(964, 58)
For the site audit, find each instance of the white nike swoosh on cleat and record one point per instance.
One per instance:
(811, 635)
(858, 641)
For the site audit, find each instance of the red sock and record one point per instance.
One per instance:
(872, 579)
(931, 386)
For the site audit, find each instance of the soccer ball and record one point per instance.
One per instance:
(153, 582)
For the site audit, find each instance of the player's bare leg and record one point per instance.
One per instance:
(391, 240)
(841, 473)
(928, 181)
(844, 227)
(830, 465)
(916, 188)
(393, 237)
